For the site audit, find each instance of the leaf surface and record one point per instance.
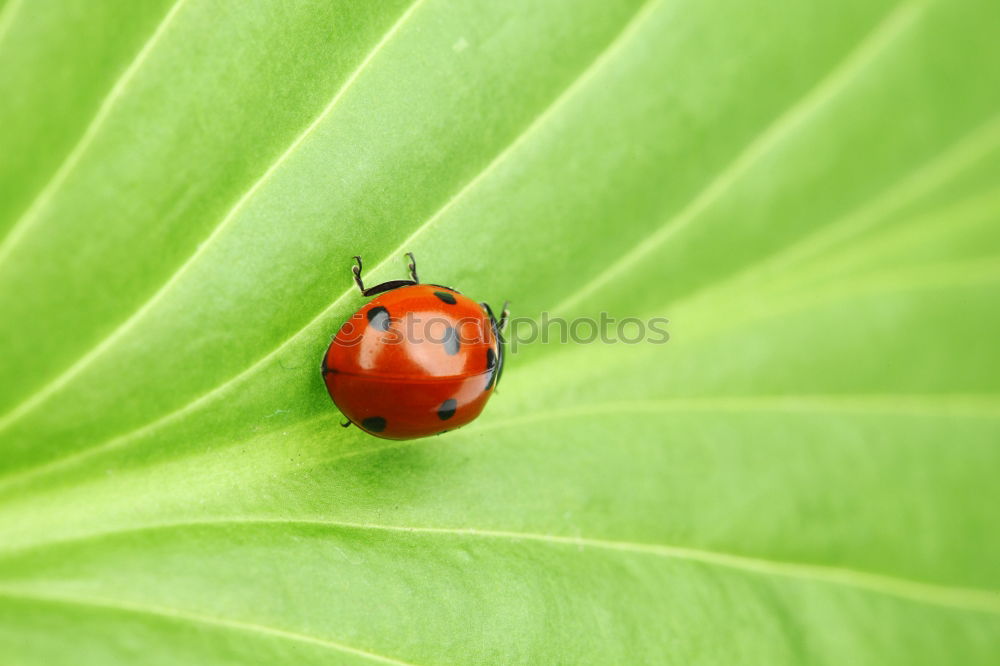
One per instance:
(804, 473)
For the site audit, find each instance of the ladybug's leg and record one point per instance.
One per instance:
(413, 268)
(502, 347)
(504, 316)
(385, 286)
(498, 327)
(346, 424)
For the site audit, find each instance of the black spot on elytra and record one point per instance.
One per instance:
(447, 409)
(450, 342)
(379, 318)
(374, 423)
(446, 297)
(491, 358)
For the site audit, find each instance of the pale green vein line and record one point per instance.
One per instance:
(911, 405)
(966, 405)
(588, 74)
(176, 615)
(64, 378)
(7, 17)
(976, 405)
(955, 160)
(934, 173)
(924, 593)
(33, 213)
(961, 598)
(928, 228)
(828, 88)
(979, 272)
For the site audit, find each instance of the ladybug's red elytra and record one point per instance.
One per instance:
(417, 360)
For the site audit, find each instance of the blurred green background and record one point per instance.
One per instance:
(805, 474)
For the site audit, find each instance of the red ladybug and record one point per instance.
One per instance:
(417, 360)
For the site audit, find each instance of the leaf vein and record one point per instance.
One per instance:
(31, 215)
(7, 14)
(933, 594)
(175, 614)
(821, 94)
(924, 179)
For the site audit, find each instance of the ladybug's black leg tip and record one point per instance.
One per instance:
(346, 424)
(413, 267)
(504, 316)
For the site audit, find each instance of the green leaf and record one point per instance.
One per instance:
(804, 473)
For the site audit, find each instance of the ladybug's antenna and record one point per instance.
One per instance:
(357, 274)
(385, 286)
(413, 268)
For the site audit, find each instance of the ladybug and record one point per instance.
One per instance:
(419, 359)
